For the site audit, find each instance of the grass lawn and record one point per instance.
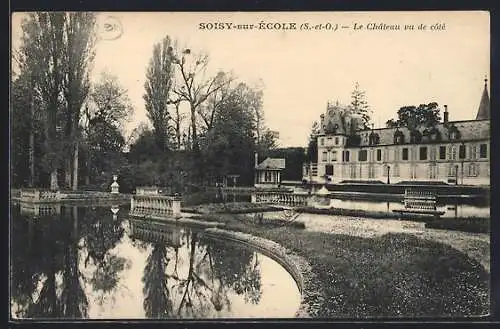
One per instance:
(394, 275)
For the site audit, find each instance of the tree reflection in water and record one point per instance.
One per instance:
(216, 272)
(58, 259)
(74, 303)
(157, 302)
(103, 235)
(46, 277)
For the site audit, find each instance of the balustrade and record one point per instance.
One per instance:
(288, 199)
(419, 200)
(155, 205)
(36, 195)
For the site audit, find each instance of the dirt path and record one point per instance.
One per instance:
(475, 245)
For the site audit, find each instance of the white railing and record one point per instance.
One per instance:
(280, 198)
(36, 209)
(420, 200)
(157, 233)
(147, 190)
(36, 195)
(156, 205)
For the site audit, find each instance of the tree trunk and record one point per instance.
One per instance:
(178, 126)
(75, 168)
(67, 173)
(193, 127)
(31, 179)
(54, 186)
(87, 167)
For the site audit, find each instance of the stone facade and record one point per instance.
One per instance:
(455, 152)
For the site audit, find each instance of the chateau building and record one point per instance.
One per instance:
(453, 152)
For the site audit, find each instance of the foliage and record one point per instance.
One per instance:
(294, 159)
(360, 106)
(56, 51)
(412, 117)
(159, 81)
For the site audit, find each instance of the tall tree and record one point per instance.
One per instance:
(42, 49)
(230, 144)
(78, 56)
(312, 148)
(159, 80)
(56, 49)
(25, 131)
(105, 114)
(194, 87)
(360, 106)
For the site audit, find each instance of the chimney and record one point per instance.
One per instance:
(445, 118)
(256, 159)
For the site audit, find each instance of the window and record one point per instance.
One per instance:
(423, 153)
(347, 156)
(395, 171)
(324, 158)
(483, 151)
(353, 170)
(452, 171)
(461, 151)
(362, 155)
(432, 171)
(334, 155)
(329, 170)
(473, 151)
(322, 141)
(268, 177)
(371, 171)
(336, 141)
(433, 153)
(453, 155)
(405, 153)
(442, 152)
(472, 172)
(379, 155)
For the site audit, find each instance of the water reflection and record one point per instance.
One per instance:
(451, 210)
(82, 263)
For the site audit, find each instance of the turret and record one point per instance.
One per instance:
(483, 112)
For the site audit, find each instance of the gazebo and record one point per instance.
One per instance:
(268, 172)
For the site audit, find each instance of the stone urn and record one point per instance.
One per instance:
(114, 186)
(114, 210)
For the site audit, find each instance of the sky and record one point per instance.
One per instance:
(302, 70)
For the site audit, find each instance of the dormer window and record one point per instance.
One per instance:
(399, 137)
(453, 133)
(374, 139)
(415, 136)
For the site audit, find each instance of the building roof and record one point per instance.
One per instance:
(272, 163)
(468, 130)
(483, 112)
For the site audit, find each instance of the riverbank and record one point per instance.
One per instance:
(366, 274)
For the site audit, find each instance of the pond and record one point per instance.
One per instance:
(95, 262)
(450, 210)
